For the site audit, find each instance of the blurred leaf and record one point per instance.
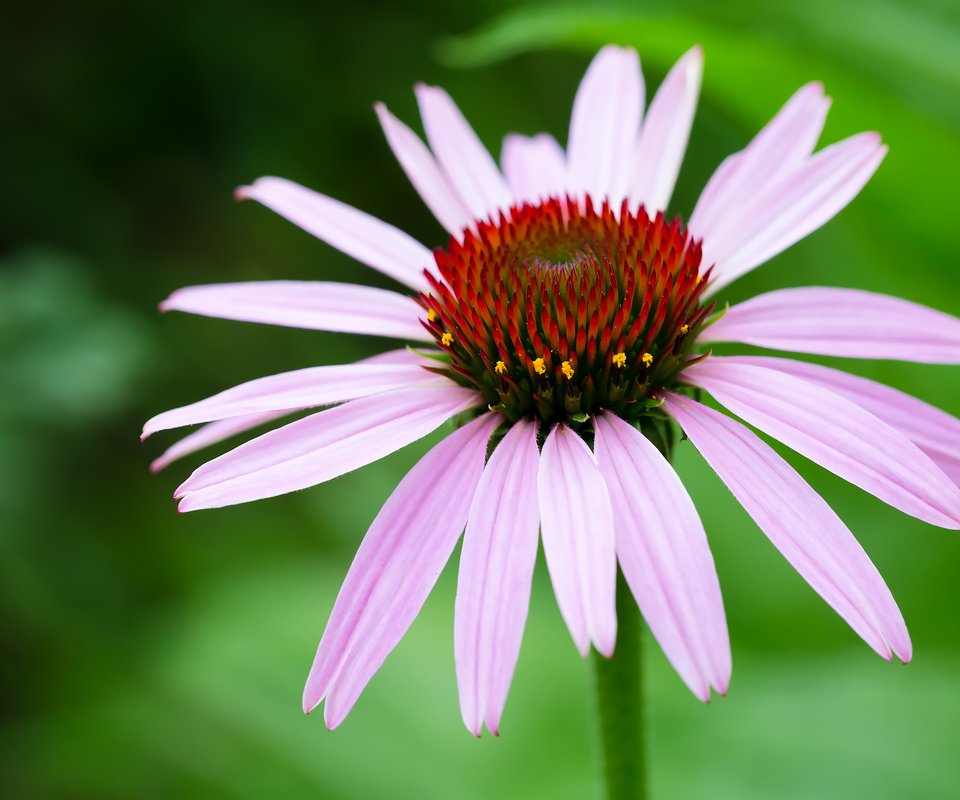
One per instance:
(70, 355)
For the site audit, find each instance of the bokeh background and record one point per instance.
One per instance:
(151, 655)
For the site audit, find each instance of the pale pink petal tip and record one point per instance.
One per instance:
(607, 646)
(157, 465)
(242, 193)
(693, 60)
(310, 700)
(186, 505)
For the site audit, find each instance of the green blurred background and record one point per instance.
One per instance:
(152, 655)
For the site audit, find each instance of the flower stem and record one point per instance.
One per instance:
(619, 688)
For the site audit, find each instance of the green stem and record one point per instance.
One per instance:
(619, 686)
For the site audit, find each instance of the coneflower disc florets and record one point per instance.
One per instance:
(559, 310)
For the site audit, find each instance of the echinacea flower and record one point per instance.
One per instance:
(566, 326)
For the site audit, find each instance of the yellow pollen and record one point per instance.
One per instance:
(647, 359)
(446, 339)
(431, 315)
(501, 367)
(539, 366)
(699, 279)
(620, 359)
(684, 330)
(567, 369)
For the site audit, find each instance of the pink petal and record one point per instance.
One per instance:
(781, 147)
(395, 568)
(365, 238)
(217, 431)
(841, 322)
(288, 391)
(664, 555)
(535, 167)
(604, 125)
(469, 167)
(319, 305)
(799, 524)
(783, 212)
(578, 539)
(212, 434)
(666, 130)
(323, 446)
(422, 171)
(496, 570)
(935, 432)
(402, 355)
(835, 433)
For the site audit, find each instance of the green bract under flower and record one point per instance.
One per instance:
(559, 310)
